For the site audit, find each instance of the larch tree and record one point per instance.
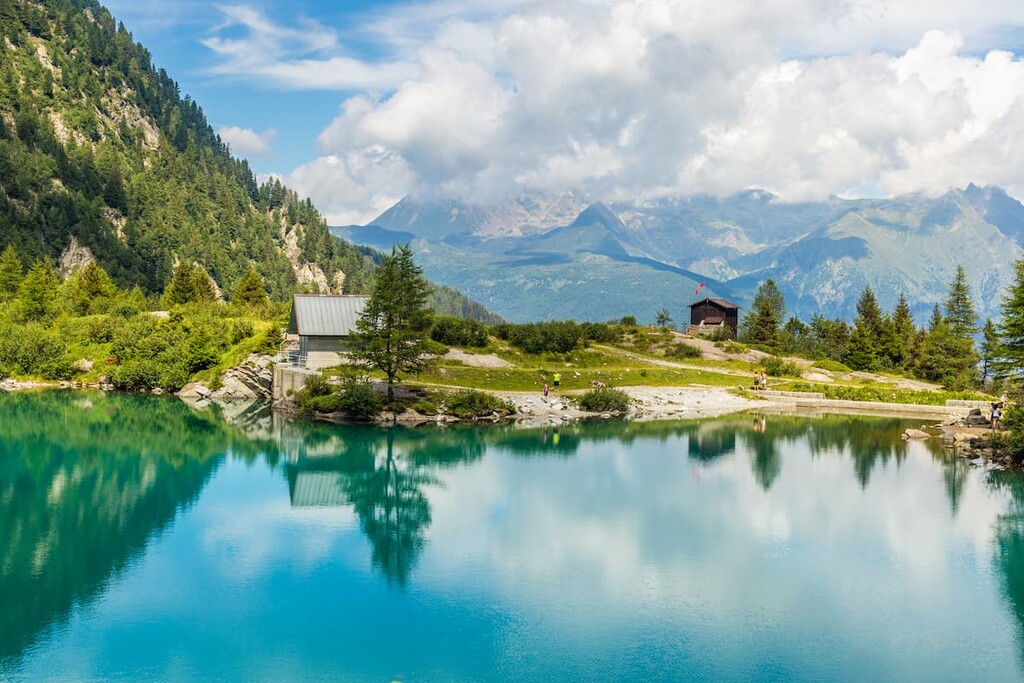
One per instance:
(393, 332)
(762, 324)
(963, 321)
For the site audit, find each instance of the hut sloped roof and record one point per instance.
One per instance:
(721, 303)
(318, 315)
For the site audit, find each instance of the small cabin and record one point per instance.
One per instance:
(323, 324)
(712, 312)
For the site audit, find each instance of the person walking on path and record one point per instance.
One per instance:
(557, 380)
(545, 391)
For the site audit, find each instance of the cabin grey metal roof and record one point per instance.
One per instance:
(319, 315)
(721, 303)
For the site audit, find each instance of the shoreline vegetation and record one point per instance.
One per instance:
(408, 364)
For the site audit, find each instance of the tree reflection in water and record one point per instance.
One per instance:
(1009, 547)
(86, 481)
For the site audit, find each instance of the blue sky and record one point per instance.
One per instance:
(356, 104)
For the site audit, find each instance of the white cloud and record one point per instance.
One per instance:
(634, 100)
(353, 188)
(246, 141)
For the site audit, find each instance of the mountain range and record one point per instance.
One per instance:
(562, 256)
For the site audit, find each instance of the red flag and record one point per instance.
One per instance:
(699, 287)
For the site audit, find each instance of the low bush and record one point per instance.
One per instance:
(358, 397)
(682, 350)
(774, 366)
(477, 404)
(554, 336)
(452, 331)
(317, 385)
(722, 334)
(603, 400)
(136, 375)
(602, 333)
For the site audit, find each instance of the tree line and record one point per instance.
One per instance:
(942, 350)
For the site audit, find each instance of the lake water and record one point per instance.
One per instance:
(144, 540)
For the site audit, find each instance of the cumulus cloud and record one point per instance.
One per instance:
(355, 187)
(246, 141)
(625, 100)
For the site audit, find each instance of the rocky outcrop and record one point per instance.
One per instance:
(74, 256)
(251, 379)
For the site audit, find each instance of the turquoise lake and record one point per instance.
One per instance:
(144, 540)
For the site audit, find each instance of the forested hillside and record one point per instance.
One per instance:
(99, 146)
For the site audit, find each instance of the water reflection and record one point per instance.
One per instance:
(752, 547)
(86, 480)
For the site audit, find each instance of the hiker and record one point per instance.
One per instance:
(764, 381)
(545, 391)
(757, 380)
(997, 418)
(557, 380)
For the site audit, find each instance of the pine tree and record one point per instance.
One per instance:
(11, 273)
(37, 295)
(89, 286)
(393, 331)
(903, 332)
(203, 285)
(761, 325)
(862, 352)
(664, 319)
(181, 289)
(963, 321)
(250, 290)
(947, 358)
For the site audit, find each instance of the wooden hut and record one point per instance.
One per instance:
(710, 313)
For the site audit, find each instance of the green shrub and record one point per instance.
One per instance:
(683, 350)
(477, 404)
(174, 377)
(317, 385)
(100, 330)
(452, 331)
(241, 328)
(1011, 441)
(603, 399)
(553, 337)
(358, 397)
(775, 366)
(628, 321)
(831, 365)
(59, 367)
(722, 334)
(125, 310)
(136, 375)
(601, 333)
